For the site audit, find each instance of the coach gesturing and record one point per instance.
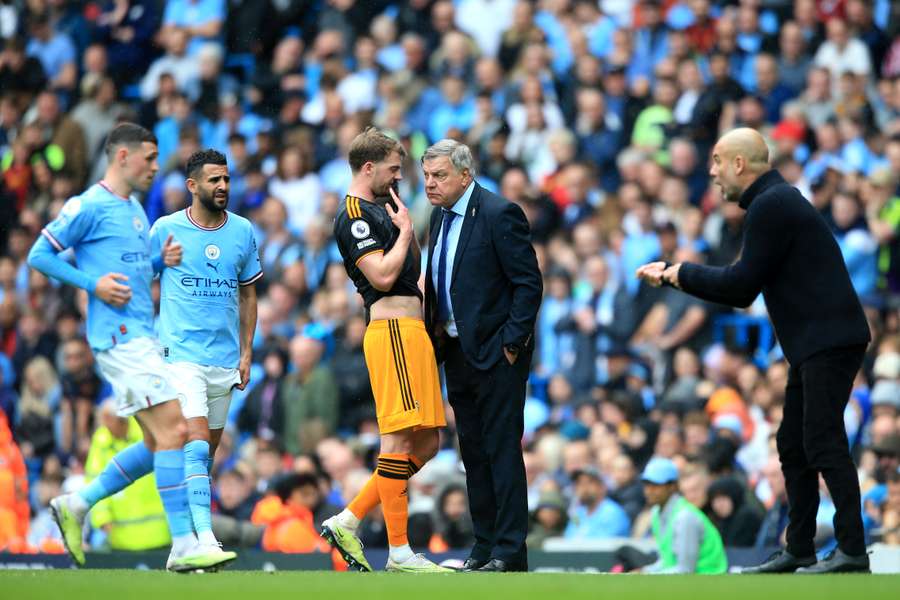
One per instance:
(790, 256)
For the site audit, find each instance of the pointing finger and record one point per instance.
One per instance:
(395, 197)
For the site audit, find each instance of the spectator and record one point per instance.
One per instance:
(97, 114)
(175, 62)
(236, 494)
(890, 520)
(737, 522)
(841, 52)
(288, 518)
(56, 52)
(200, 20)
(21, 75)
(262, 414)
(595, 516)
(628, 492)
(686, 540)
(770, 87)
(82, 391)
(309, 396)
(452, 523)
(549, 519)
(856, 243)
(297, 185)
(793, 59)
(63, 132)
(39, 398)
(14, 510)
(133, 519)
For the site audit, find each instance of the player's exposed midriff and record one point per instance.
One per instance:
(394, 307)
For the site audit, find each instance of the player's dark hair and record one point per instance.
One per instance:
(204, 157)
(285, 486)
(372, 145)
(127, 134)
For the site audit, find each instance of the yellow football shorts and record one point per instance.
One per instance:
(404, 375)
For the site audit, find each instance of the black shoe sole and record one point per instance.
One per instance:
(848, 571)
(352, 563)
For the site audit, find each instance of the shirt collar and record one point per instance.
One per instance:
(463, 203)
(762, 183)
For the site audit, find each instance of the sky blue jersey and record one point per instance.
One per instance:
(109, 234)
(199, 320)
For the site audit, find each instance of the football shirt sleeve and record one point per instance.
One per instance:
(251, 270)
(357, 234)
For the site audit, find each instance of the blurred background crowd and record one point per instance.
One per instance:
(597, 118)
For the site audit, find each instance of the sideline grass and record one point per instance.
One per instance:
(255, 585)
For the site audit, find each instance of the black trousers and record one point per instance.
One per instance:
(812, 440)
(489, 410)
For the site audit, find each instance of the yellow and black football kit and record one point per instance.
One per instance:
(399, 354)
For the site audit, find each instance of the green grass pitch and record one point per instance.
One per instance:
(247, 585)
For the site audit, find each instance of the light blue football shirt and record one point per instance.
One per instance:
(199, 320)
(109, 234)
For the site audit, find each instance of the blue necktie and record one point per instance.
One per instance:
(443, 309)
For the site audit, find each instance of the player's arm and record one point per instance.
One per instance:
(44, 257)
(110, 288)
(251, 272)
(247, 310)
(68, 229)
(767, 238)
(382, 268)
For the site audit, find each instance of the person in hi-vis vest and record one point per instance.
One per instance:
(686, 539)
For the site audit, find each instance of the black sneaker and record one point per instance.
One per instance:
(780, 562)
(838, 562)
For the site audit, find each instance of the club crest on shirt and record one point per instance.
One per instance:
(138, 224)
(212, 252)
(359, 229)
(71, 208)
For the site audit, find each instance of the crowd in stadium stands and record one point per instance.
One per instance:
(597, 118)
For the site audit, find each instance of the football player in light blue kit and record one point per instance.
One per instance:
(110, 236)
(207, 317)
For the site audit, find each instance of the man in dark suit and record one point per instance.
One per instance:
(482, 293)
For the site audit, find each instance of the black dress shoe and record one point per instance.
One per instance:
(497, 565)
(472, 564)
(781, 562)
(838, 562)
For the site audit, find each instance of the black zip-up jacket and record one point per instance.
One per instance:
(789, 255)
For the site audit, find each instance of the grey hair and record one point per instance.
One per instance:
(459, 154)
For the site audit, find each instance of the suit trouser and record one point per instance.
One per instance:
(812, 440)
(489, 410)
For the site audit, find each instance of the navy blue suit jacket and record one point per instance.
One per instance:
(496, 286)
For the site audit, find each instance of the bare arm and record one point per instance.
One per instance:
(247, 310)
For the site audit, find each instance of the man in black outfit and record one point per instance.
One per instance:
(482, 294)
(790, 256)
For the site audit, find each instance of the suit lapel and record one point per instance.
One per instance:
(468, 224)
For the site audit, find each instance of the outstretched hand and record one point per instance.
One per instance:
(652, 273)
(657, 273)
